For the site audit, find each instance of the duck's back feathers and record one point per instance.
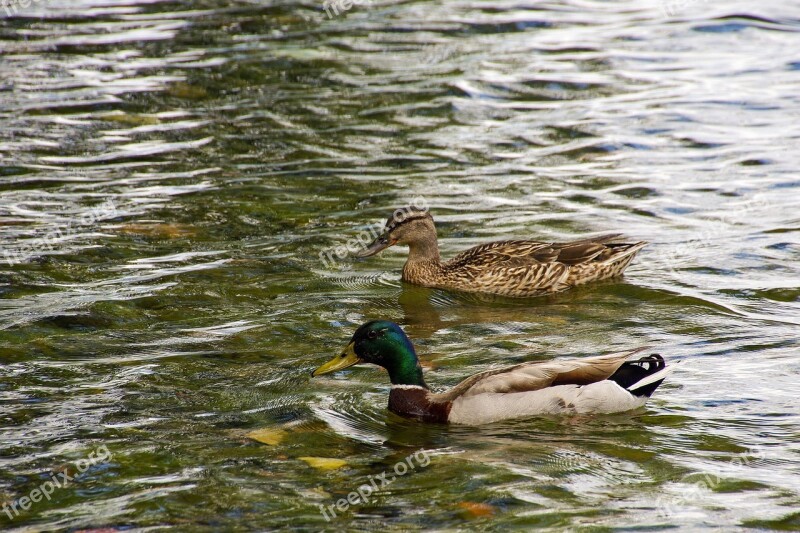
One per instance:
(530, 268)
(521, 252)
(527, 377)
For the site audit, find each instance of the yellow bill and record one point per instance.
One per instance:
(344, 360)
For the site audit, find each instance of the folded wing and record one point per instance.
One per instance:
(533, 376)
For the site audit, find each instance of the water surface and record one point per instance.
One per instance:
(170, 173)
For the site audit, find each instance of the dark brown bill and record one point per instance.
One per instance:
(379, 244)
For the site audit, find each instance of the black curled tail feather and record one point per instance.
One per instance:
(632, 372)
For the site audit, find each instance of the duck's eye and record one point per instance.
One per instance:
(372, 334)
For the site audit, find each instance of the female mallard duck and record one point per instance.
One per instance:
(508, 268)
(603, 384)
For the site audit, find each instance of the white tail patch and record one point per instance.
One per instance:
(652, 378)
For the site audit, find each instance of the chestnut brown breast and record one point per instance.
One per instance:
(414, 402)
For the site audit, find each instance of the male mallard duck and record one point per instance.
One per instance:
(603, 384)
(508, 268)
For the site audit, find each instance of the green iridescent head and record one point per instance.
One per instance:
(381, 343)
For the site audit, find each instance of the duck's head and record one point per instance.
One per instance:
(381, 343)
(407, 225)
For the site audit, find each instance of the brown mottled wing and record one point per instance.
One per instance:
(507, 253)
(505, 266)
(523, 253)
(539, 375)
(586, 250)
(577, 253)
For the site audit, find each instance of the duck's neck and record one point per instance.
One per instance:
(424, 250)
(424, 264)
(403, 367)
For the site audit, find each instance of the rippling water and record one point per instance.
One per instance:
(171, 171)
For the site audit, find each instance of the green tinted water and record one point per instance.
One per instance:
(171, 172)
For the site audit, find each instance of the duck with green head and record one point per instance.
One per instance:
(602, 384)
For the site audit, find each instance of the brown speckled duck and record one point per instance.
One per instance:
(592, 385)
(518, 268)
